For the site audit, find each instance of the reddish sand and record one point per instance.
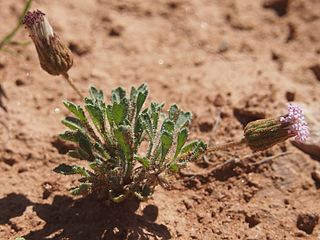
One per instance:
(240, 60)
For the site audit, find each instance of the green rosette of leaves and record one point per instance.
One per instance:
(130, 149)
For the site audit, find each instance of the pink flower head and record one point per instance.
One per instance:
(38, 26)
(297, 125)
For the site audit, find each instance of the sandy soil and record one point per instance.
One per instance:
(228, 62)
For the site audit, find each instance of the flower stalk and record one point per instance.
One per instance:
(72, 84)
(224, 146)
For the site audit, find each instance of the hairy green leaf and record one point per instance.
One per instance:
(183, 119)
(147, 125)
(96, 95)
(69, 136)
(174, 112)
(116, 198)
(109, 115)
(155, 112)
(182, 138)
(189, 147)
(195, 147)
(133, 104)
(97, 116)
(119, 112)
(144, 194)
(83, 188)
(167, 126)
(79, 154)
(100, 149)
(71, 170)
(73, 123)
(141, 97)
(144, 161)
(85, 145)
(174, 167)
(138, 133)
(123, 137)
(166, 143)
(133, 95)
(76, 110)
(96, 165)
(200, 148)
(117, 95)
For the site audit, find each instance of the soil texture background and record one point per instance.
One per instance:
(228, 62)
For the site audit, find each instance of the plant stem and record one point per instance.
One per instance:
(7, 39)
(218, 147)
(231, 163)
(71, 83)
(225, 146)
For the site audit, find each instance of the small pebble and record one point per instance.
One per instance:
(290, 96)
(307, 222)
(19, 82)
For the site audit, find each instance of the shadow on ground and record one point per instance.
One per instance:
(88, 218)
(13, 205)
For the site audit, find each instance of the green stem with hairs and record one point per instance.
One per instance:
(218, 147)
(225, 146)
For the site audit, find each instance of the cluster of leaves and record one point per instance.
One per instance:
(112, 141)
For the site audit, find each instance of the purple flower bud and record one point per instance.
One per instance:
(264, 133)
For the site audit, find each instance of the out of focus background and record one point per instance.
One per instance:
(229, 62)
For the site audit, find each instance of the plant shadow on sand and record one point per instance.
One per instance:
(88, 218)
(13, 205)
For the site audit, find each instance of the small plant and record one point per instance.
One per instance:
(111, 138)
(130, 149)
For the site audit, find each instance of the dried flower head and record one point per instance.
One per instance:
(264, 133)
(55, 58)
